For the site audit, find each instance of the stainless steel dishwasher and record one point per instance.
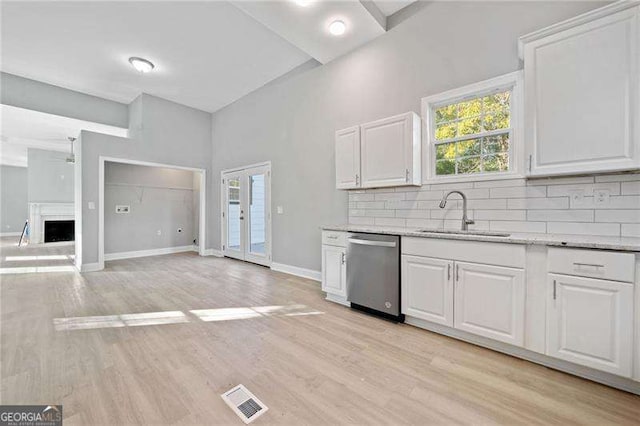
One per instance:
(373, 274)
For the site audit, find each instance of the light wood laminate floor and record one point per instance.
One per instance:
(157, 340)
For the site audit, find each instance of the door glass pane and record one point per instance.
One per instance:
(233, 214)
(257, 214)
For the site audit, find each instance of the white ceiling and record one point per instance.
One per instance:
(207, 54)
(306, 27)
(21, 129)
(389, 7)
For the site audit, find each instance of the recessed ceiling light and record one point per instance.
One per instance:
(337, 28)
(303, 3)
(141, 64)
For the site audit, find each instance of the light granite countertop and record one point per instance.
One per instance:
(561, 240)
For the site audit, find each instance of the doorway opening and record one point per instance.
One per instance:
(246, 213)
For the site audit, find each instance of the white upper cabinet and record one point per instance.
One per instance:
(348, 158)
(582, 93)
(380, 153)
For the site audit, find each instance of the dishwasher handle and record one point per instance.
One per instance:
(372, 242)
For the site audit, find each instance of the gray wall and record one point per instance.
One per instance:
(50, 177)
(31, 94)
(14, 208)
(162, 132)
(292, 120)
(160, 199)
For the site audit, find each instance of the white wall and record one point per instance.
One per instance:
(162, 132)
(160, 199)
(292, 121)
(50, 177)
(14, 210)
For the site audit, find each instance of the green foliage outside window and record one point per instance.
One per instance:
(474, 117)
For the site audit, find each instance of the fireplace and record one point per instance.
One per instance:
(59, 230)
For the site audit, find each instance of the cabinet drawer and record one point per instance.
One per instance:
(334, 238)
(592, 263)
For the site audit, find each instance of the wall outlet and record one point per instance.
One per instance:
(280, 209)
(120, 209)
(576, 196)
(601, 197)
(159, 232)
(91, 205)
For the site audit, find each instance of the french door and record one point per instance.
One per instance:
(246, 214)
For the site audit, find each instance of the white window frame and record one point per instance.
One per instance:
(512, 81)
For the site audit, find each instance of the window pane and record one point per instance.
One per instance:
(496, 102)
(446, 114)
(496, 120)
(445, 167)
(469, 126)
(469, 165)
(446, 151)
(496, 163)
(472, 108)
(495, 144)
(446, 131)
(257, 213)
(468, 147)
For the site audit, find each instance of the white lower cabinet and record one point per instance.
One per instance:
(427, 289)
(334, 270)
(590, 322)
(489, 301)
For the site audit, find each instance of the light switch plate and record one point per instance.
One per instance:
(91, 205)
(121, 209)
(280, 210)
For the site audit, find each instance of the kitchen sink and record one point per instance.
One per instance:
(452, 231)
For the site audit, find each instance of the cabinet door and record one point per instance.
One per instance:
(489, 301)
(348, 158)
(334, 271)
(390, 151)
(582, 97)
(590, 322)
(427, 290)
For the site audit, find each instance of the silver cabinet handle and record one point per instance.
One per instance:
(344, 258)
(457, 272)
(372, 243)
(595, 265)
(406, 175)
(332, 237)
(357, 179)
(554, 289)
(448, 272)
(530, 158)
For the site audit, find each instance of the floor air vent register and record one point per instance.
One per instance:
(244, 403)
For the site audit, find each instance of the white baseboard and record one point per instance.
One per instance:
(10, 234)
(294, 270)
(338, 299)
(538, 358)
(91, 267)
(213, 252)
(146, 253)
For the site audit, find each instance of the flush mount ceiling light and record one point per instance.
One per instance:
(303, 3)
(141, 64)
(337, 28)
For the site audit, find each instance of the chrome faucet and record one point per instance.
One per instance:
(465, 220)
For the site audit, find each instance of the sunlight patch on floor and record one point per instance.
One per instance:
(42, 257)
(179, 317)
(36, 269)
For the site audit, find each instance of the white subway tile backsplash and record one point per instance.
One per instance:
(519, 192)
(630, 230)
(390, 221)
(560, 215)
(631, 188)
(606, 229)
(390, 196)
(500, 214)
(499, 183)
(517, 226)
(512, 205)
(619, 216)
(538, 203)
(587, 189)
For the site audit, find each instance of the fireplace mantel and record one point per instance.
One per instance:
(39, 212)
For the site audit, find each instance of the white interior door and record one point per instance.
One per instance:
(246, 218)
